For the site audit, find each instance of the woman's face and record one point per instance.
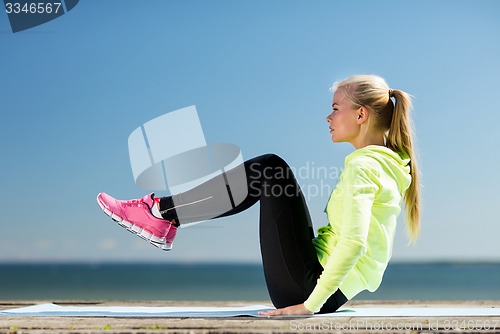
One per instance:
(343, 120)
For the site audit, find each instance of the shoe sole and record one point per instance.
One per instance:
(136, 229)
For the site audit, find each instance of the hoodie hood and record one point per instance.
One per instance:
(396, 164)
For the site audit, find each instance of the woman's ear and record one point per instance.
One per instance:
(362, 114)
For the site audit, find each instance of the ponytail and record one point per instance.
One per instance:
(394, 118)
(399, 139)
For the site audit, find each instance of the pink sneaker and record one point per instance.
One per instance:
(135, 215)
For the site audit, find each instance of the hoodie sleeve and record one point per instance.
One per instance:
(358, 192)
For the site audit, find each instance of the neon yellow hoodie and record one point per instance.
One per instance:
(355, 247)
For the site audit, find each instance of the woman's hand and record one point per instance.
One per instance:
(299, 309)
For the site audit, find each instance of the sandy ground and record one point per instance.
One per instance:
(249, 324)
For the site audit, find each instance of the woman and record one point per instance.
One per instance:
(307, 274)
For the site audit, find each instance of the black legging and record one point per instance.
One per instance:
(291, 265)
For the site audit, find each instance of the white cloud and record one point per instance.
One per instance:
(43, 244)
(107, 244)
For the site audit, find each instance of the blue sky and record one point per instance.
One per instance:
(259, 72)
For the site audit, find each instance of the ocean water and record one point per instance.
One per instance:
(433, 281)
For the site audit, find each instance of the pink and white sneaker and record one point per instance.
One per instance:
(135, 215)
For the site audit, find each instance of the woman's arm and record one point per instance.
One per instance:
(298, 309)
(358, 194)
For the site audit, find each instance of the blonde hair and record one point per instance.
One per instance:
(372, 92)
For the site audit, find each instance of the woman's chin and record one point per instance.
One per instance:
(337, 140)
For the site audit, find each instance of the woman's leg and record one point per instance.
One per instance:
(214, 198)
(291, 266)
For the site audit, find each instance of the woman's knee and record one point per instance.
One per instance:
(274, 160)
